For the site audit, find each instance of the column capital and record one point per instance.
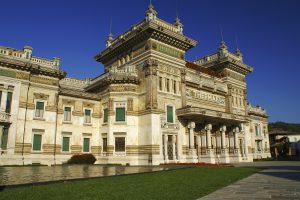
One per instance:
(208, 127)
(236, 129)
(191, 124)
(223, 128)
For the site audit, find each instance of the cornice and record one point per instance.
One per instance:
(32, 68)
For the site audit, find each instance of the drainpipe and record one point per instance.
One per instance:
(56, 119)
(25, 119)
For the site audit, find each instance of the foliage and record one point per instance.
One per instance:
(82, 159)
(289, 127)
(190, 183)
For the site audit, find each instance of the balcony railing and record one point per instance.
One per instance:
(4, 117)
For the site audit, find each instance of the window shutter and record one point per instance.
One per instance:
(87, 112)
(68, 109)
(4, 138)
(0, 96)
(105, 113)
(37, 141)
(40, 105)
(86, 145)
(120, 114)
(170, 114)
(66, 144)
(8, 102)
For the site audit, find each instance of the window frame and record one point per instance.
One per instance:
(104, 138)
(65, 106)
(105, 115)
(84, 116)
(44, 108)
(32, 142)
(62, 142)
(115, 142)
(8, 108)
(2, 136)
(173, 113)
(116, 117)
(89, 138)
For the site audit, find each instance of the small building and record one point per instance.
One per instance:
(279, 137)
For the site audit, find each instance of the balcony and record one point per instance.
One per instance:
(202, 114)
(4, 117)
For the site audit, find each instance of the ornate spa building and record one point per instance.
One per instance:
(150, 106)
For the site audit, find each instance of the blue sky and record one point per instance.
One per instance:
(268, 34)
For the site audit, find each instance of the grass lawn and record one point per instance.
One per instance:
(190, 183)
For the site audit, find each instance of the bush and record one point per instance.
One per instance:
(82, 159)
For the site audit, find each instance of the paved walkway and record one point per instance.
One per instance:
(280, 181)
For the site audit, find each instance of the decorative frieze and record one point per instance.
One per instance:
(7, 73)
(167, 50)
(205, 96)
(122, 88)
(129, 104)
(235, 76)
(41, 96)
(169, 69)
(43, 80)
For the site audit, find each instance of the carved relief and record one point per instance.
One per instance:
(129, 104)
(41, 96)
(43, 80)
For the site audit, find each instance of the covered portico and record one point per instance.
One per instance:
(214, 136)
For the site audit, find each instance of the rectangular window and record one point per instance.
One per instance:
(120, 144)
(87, 116)
(86, 144)
(37, 142)
(104, 145)
(4, 138)
(170, 118)
(168, 85)
(8, 102)
(39, 109)
(67, 114)
(256, 130)
(258, 145)
(174, 87)
(66, 144)
(105, 115)
(160, 83)
(120, 114)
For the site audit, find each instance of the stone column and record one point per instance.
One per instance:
(166, 146)
(191, 134)
(198, 141)
(203, 139)
(223, 130)
(208, 128)
(1, 132)
(173, 144)
(163, 84)
(151, 83)
(235, 135)
(183, 93)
